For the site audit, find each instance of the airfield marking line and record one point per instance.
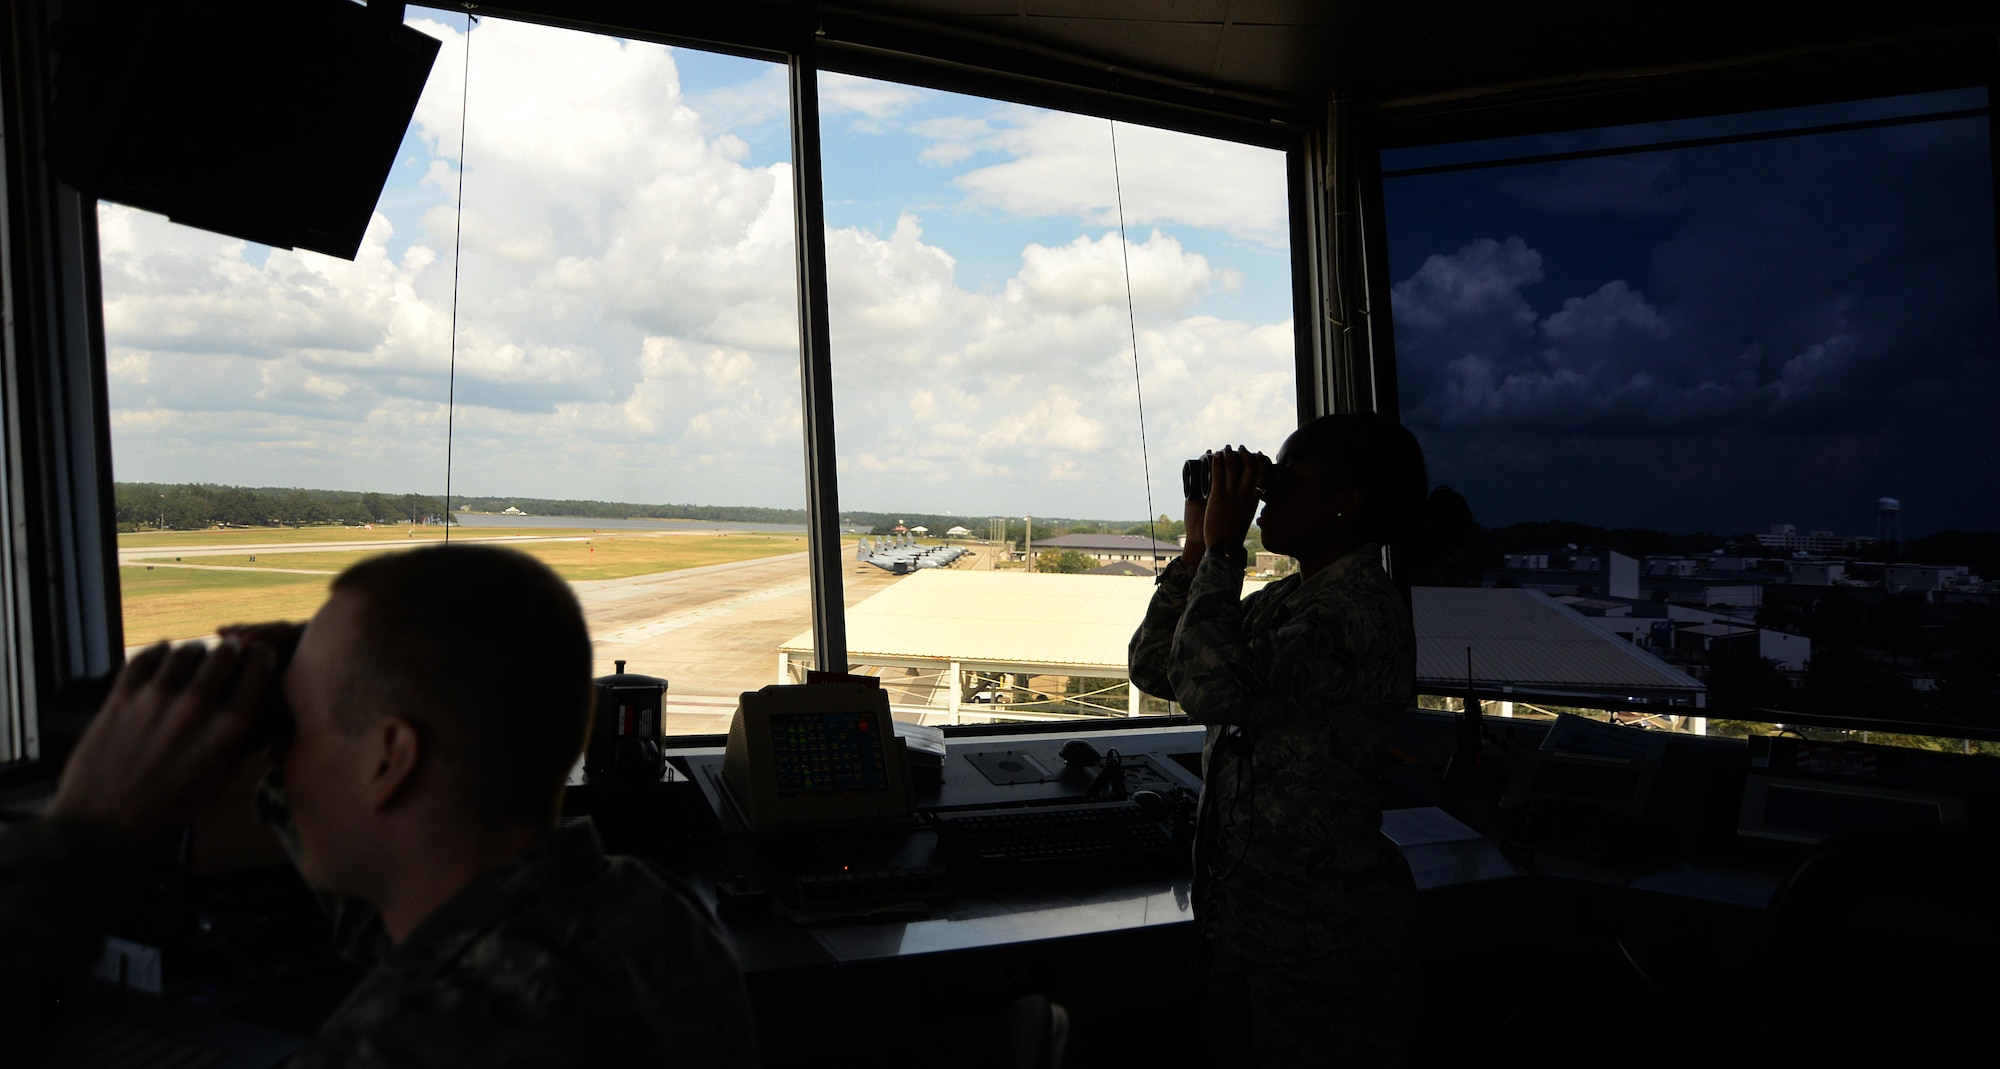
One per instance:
(146, 552)
(150, 565)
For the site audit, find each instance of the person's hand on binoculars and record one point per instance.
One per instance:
(1197, 540)
(1232, 495)
(168, 738)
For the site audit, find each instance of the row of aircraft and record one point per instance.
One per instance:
(900, 554)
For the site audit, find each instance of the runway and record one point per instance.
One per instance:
(153, 556)
(712, 631)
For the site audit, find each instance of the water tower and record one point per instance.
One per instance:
(1888, 520)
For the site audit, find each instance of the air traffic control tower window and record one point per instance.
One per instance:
(1720, 393)
(621, 389)
(987, 416)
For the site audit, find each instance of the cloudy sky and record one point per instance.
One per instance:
(1710, 338)
(627, 314)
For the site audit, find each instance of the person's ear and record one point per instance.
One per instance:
(1347, 502)
(399, 752)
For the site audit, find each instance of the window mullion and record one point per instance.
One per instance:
(816, 373)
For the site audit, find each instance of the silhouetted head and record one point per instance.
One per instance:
(1353, 479)
(484, 649)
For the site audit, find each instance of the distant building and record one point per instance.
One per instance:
(1817, 573)
(1924, 578)
(1689, 634)
(1573, 572)
(512, 511)
(1269, 563)
(1110, 548)
(1786, 536)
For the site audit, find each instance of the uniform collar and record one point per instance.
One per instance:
(572, 851)
(1354, 561)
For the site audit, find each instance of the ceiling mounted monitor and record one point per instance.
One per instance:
(276, 123)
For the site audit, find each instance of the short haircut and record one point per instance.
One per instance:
(485, 650)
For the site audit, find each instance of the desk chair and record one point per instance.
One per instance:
(1881, 945)
(1879, 948)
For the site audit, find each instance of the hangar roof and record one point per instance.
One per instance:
(1080, 624)
(1529, 641)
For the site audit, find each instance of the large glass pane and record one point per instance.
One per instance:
(984, 383)
(626, 394)
(1724, 406)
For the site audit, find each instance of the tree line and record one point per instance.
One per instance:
(197, 506)
(193, 506)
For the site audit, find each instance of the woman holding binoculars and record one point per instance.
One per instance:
(1304, 909)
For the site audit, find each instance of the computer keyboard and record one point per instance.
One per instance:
(1096, 836)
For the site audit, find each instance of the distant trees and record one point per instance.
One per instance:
(1068, 561)
(1166, 528)
(193, 506)
(196, 506)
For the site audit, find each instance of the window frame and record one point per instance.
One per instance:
(1856, 74)
(59, 585)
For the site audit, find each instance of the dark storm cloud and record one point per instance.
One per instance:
(1812, 324)
(1611, 362)
(1608, 184)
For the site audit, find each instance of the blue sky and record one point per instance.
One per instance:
(626, 315)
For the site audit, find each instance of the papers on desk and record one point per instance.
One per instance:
(1592, 738)
(1422, 826)
(925, 744)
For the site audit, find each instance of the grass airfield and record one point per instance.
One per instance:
(221, 577)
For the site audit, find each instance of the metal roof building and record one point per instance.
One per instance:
(1107, 543)
(953, 622)
(1525, 641)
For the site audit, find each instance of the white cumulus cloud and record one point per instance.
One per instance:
(627, 314)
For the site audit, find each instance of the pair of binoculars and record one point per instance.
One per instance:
(1198, 476)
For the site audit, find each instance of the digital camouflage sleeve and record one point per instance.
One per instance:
(1301, 683)
(562, 956)
(1303, 907)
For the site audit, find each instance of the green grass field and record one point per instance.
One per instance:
(176, 603)
(581, 556)
(381, 532)
(190, 602)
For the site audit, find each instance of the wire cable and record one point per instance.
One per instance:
(1132, 325)
(457, 244)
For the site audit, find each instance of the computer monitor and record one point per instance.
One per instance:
(817, 755)
(1812, 811)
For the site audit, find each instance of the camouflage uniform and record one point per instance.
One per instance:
(560, 956)
(1304, 908)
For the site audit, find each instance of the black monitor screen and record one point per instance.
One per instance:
(828, 753)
